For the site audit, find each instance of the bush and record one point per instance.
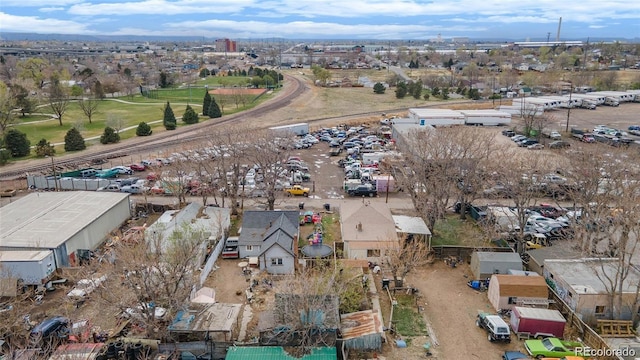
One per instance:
(169, 119)
(5, 155)
(190, 116)
(214, 109)
(143, 129)
(17, 143)
(110, 136)
(73, 141)
(379, 88)
(44, 148)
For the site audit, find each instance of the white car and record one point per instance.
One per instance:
(85, 287)
(124, 170)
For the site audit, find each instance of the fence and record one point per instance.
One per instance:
(215, 253)
(66, 183)
(589, 337)
(463, 252)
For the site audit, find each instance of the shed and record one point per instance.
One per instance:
(486, 263)
(32, 267)
(362, 330)
(507, 291)
(217, 321)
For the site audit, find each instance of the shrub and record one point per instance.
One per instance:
(143, 129)
(110, 136)
(73, 141)
(17, 143)
(44, 148)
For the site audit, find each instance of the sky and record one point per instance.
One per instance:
(327, 19)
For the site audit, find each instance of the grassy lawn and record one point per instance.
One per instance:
(407, 320)
(330, 230)
(453, 231)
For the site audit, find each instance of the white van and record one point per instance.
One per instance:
(88, 173)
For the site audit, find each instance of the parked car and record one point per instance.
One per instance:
(137, 167)
(85, 287)
(527, 142)
(554, 135)
(559, 144)
(363, 190)
(514, 355)
(516, 138)
(497, 329)
(508, 133)
(123, 170)
(551, 348)
(135, 189)
(536, 146)
(127, 181)
(297, 190)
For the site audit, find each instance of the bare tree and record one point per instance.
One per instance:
(405, 258)
(89, 106)
(269, 157)
(115, 121)
(58, 99)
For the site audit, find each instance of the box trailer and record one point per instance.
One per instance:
(526, 102)
(486, 117)
(522, 111)
(436, 117)
(599, 99)
(384, 183)
(536, 323)
(373, 158)
(29, 267)
(621, 96)
(299, 129)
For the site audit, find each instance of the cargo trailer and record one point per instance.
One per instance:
(537, 323)
(29, 267)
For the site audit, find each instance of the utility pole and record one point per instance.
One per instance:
(569, 108)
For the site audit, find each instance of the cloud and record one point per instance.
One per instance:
(160, 7)
(34, 24)
(50, 9)
(38, 3)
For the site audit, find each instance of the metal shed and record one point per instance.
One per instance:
(63, 222)
(486, 263)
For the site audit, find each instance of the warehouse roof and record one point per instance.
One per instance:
(46, 220)
(24, 255)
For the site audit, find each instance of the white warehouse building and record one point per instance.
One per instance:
(63, 222)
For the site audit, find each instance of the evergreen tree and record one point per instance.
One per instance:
(214, 109)
(164, 80)
(143, 129)
(401, 90)
(73, 141)
(206, 103)
(190, 116)
(5, 155)
(98, 90)
(169, 120)
(44, 148)
(17, 143)
(110, 136)
(379, 88)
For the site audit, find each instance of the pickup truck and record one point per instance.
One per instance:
(230, 250)
(497, 329)
(551, 348)
(297, 190)
(363, 190)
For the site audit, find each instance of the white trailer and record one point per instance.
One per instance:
(384, 183)
(436, 117)
(29, 267)
(565, 102)
(599, 99)
(65, 183)
(486, 117)
(299, 129)
(517, 110)
(525, 102)
(636, 95)
(621, 96)
(373, 158)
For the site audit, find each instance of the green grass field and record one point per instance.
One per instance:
(128, 111)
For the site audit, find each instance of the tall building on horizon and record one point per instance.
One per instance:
(226, 45)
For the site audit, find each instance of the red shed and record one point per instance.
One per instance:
(534, 322)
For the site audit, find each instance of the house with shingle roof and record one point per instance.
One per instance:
(272, 238)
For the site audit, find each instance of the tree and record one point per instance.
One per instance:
(44, 148)
(409, 255)
(7, 106)
(33, 69)
(73, 141)
(109, 136)
(379, 88)
(98, 89)
(58, 99)
(143, 129)
(115, 121)
(17, 143)
(267, 155)
(190, 116)
(22, 100)
(415, 89)
(89, 106)
(169, 119)
(401, 90)
(214, 109)
(206, 103)
(164, 82)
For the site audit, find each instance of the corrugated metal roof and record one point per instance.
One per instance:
(277, 353)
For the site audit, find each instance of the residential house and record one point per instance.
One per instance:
(507, 291)
(584, 285)
(272, 238)
(368, 229)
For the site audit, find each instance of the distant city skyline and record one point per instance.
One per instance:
(329, 19)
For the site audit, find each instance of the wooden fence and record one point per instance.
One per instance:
(463, 252)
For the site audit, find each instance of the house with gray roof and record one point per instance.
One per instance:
(272, 237)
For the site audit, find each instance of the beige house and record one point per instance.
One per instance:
(368, 229)
(507, 291)
(583, 285)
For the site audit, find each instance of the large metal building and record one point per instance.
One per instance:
(63, 222)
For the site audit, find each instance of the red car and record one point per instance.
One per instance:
(137, 167)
